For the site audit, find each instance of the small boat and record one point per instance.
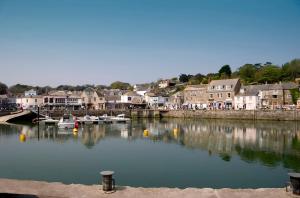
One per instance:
(105, 119)
(120, 118)
(49, 120)
(87, 119)
(66, 122)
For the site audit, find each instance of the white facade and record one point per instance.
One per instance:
(29, 102)
(246, 102)
(131, 97)
(30, 92)
(155, 101)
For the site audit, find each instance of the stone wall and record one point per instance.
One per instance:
(211, 114)
(231, 114)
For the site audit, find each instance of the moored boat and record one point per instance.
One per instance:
(120, 118)
(67, 121)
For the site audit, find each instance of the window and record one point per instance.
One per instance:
(223, 87)
(26, 100)
(211, 95)
(35, 100)
(51, 100)
(228, 95)
(129, 98)
(213, 87)
(45, 100)
(231, 86)
(274, 96)
(83, 98)
(95, 99)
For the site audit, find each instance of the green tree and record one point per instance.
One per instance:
(3, 88)
(291, 70)
(185, 77)
(19, 88)
(268, 73)
(225, 71)
(197, 79)
(247, 73)
(120, 85)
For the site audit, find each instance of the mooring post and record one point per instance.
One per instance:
(108, 183)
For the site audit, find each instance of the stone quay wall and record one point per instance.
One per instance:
(291, 115)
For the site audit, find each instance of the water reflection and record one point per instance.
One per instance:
(269, 143)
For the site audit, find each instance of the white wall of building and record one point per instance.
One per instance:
(29, 102)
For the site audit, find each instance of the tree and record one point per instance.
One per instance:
(3, 88)
(19, 88)
(291, 70)
(225, 71)
(197, 79)
(120, 85)
(184, 77)
(247, 73)
(268, 73)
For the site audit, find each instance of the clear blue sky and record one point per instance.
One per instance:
(77, 42)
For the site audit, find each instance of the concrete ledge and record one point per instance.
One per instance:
(59, 190)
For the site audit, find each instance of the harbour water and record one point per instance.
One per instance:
(175, 153)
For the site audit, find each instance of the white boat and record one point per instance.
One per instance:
(49, 120)
(89, 120)
(105, 118)
(66, 122)
(120, 118)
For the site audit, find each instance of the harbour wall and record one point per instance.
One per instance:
(289, 115)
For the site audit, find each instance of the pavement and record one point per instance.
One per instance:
(39, 189)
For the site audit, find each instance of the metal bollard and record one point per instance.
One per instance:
(108, 183)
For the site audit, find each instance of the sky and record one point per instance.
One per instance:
(53, 42)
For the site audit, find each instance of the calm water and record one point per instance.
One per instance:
(203, 153)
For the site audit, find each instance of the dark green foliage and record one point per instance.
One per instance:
(247, 73)
(269, 74)
(185, 77)
(291, 70)
(225, 71)
(3, 88)
(120, 85)
(295, 95)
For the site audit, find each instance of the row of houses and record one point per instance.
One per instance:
(218, 94)
(231, 94)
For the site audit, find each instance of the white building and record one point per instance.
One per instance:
(131, 97)
(29, 102)
(247, 98)
(62, 100)
(30, 92)
(154, 100)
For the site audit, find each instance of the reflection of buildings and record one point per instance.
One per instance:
(263, 140)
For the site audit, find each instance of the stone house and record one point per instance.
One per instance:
(175, 101)
(91, 99)
(221, 93)
(166, 83)
(276, 95)
(195, 96)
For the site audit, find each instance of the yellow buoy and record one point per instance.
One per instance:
(146, 133)
(175, 132)
(22, 138)
(75, 130)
